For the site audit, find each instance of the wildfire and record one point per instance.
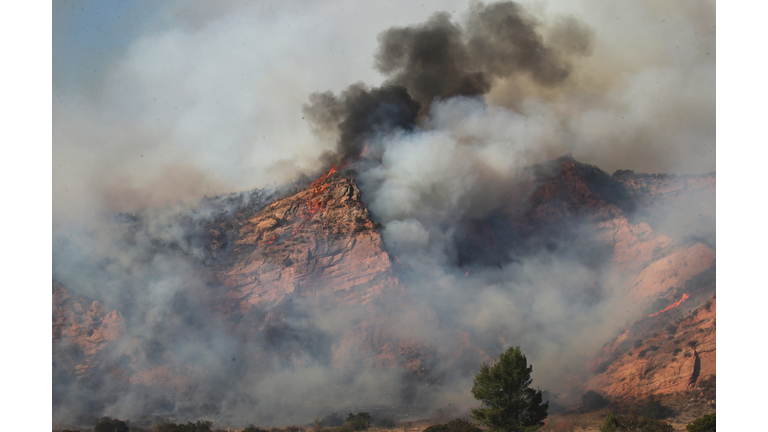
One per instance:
(313, 203)
(672, 306)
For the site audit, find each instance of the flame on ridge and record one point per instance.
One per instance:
(673, 305)
(313, 203)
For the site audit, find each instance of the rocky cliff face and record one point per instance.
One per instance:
(317, 242)
(308, 276)
(674, 360)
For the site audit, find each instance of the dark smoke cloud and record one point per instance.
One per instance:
(440, 59)
(430, 60)
(360, 111)
(462, 105)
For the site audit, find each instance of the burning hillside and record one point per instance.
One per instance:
(404, 233)
(305, 304)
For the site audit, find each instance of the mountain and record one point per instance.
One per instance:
(279, 307)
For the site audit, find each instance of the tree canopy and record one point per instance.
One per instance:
(508, 403)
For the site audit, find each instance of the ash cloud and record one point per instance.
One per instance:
(441, 59)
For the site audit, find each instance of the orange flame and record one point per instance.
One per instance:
(467, 273)
(672, 306)
(313, 204)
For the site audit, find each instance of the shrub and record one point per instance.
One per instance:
(655, 410)
(702, 424)
(593, 400)
(710, 383)
(164, 426)
(359, 421)
(332, 420)
(609, 424)
(252, 428)
(633, 422)
(386, 423)
(457, 425)
(106, 424)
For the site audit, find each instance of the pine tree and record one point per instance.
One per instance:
(508, 403)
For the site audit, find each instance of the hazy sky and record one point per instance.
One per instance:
(161, 101)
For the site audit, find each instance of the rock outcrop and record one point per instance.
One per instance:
(317, 247)
(672, 361)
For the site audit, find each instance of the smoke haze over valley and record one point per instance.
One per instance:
(270, 213)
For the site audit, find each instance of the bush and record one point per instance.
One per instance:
(593, 400)
(359, 421)
(106, 424)
(655, 410)
(164, 426)
(632, 422)
(609, 424)
(702, 424)
(253, 428)
(332, 420)
(457, 425)
(386, 423)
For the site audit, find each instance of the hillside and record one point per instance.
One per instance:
(239, 310)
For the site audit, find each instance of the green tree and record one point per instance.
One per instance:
(609, 424)
(703, 424)
(508, 403)
(655, 410)
(359, 421)
(106, 424)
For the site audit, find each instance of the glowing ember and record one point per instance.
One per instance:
(467, 273)
(673, 305)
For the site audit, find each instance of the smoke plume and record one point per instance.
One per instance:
(441, 59)
(445, 132)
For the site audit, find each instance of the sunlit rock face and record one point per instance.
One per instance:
(298, 295)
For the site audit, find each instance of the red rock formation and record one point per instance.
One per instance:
(319, 244)
(83, 326)
(309, 244)
(670, 362)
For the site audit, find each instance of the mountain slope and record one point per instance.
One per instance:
(298, 296)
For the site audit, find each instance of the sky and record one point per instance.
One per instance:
(94, 43)
(156, 102)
